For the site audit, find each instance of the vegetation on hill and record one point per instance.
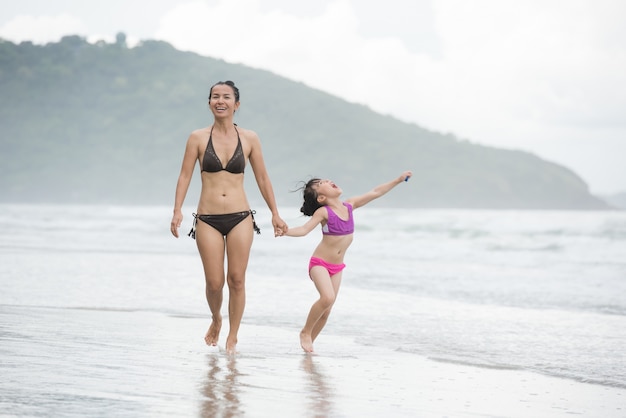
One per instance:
(104, 123)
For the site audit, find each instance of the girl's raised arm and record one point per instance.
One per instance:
(378, 191)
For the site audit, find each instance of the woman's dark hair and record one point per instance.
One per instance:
(225, 83)
(309, 194)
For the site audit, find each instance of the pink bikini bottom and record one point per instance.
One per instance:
(331, 268)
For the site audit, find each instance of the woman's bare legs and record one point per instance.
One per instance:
(238, 244)
(328, 287)
(211, 246)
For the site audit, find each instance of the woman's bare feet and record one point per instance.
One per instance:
(213, 334)
(306, 342)
(231, 343)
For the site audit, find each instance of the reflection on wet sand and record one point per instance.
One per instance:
(318, 390)
(220, 389)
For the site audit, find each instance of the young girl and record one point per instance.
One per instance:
(323, 204)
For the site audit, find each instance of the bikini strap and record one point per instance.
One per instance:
(254, 225)
(192, 232)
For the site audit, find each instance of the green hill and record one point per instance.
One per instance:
(103, 123)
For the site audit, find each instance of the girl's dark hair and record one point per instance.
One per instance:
(225, 83)
(309, 194)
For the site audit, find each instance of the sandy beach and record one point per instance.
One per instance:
(102, 314)
(148, 364)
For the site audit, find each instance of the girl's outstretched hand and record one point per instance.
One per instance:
(406, 175)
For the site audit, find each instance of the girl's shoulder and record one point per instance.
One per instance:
(350, 203)
(322, 212)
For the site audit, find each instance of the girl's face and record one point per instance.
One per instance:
(327, 188)
(222, 101)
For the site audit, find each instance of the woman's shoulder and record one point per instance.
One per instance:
(248, 134)
(200, 132)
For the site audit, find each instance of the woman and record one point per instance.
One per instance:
(224, 223)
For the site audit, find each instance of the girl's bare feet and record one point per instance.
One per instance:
(306, 342)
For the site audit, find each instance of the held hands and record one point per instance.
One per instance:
(280, 227)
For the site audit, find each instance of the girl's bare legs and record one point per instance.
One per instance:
(321, 322)
(211, 248)
(318, 314)
(238, 244)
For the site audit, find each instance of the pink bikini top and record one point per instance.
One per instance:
(337, 226)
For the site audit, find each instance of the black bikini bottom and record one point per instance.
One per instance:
(224, 223)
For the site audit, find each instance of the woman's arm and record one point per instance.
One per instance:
(263, 181)
(184, 178)
(378, 191)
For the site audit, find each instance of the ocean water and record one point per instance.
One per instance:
(543, 291)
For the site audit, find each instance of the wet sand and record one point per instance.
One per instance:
(89, 362)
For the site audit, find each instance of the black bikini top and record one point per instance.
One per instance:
(212, 163)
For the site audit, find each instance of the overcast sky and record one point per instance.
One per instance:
(546, 76)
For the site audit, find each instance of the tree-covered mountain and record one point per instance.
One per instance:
(104, 123)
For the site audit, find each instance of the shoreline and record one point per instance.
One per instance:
(138, 363)
(520, 369)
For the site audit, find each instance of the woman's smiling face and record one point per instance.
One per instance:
(222, 100)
